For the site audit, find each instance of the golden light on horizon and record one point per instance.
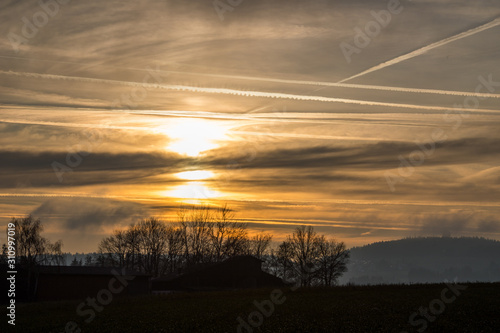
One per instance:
(192, 190)
(192, 136)
(195, 175)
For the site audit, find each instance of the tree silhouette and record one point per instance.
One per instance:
(311, 259)
(31, 248)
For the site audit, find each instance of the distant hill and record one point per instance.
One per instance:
(425, 259)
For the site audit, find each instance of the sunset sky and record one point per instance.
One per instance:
(286, 110)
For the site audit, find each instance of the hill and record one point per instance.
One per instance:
(425, 259)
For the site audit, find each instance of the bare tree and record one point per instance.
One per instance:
(202, 235)
(54, 255)
(152, 244)
(221, 230)
(310, 259)
(31, 248)
(285, 261)
(133, 259)
(174, 249)
(30, 245)
(304, 246)
(259, 244)
(196, 238)
(211, 234)
(229, 237)
(114, 248)
(332, 261)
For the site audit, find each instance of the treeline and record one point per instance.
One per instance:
(309, 259)
(203, 235)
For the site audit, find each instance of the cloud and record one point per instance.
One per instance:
(488, 225)
(37, 169)
(457, 224)
(375, 156)
(87, 213)
(444, 225)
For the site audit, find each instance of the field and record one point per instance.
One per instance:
(340, 309)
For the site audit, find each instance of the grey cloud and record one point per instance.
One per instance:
(456, 224)
(369, 156)
(88, 213)
(489, 224)
(444, 225)
(36, 169)
(316, 163)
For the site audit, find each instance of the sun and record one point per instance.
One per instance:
(192, 136)
(192, 190)
(195, 175)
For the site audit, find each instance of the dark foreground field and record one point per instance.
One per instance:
(342, 309)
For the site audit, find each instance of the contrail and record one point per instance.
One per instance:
(316, 137)
(235, 132)
(66, 124)
(310, 118)
(427, 48)
(302, 82)
(324, 223)
(63, 195)
(343, 85)
(245, 93)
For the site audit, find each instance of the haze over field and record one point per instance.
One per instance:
(114, 111)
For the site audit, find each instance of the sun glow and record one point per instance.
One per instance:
(193, 136)
(193, 190)
(195, 175)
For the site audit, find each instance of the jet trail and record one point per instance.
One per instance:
(427, 48)
(344, 85)
(245, 93)
(66, 124)
(304, 82)
(316, 137)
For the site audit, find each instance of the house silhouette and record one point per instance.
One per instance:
(238, 272)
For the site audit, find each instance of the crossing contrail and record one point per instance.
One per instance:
(344, 85)
(427, 48)
(245, 93)
(340, 84)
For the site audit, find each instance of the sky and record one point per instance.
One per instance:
(369, 120)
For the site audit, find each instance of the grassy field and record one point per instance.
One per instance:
(340, 309)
